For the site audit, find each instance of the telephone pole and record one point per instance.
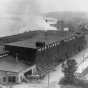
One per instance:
(45, 38)
(47, 58)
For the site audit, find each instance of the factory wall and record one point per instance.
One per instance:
(48, 58)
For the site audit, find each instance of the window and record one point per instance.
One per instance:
(12, 79)
(4, 79)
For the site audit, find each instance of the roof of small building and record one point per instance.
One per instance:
(9, 63)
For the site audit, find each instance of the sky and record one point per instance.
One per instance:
(17, 16)
(64, 5)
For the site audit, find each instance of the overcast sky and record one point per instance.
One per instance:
(19, 15)
(9, 6)
(67, 5)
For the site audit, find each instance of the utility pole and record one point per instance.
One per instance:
(48, 60)
(16, 58)
(45, 38)
(47, 57)
(48, 79)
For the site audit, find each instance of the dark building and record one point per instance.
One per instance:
(25, 50)
(44, 50)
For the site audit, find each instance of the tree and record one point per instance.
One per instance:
(69, 68)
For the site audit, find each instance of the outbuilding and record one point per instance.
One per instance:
(12, 72)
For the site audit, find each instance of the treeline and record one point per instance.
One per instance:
(48, 59)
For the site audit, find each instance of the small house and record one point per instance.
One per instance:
(12, 72)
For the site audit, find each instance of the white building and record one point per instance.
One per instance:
(12, 71)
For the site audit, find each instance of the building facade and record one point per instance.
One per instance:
(12, 71)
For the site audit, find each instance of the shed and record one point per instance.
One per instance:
(12, 71)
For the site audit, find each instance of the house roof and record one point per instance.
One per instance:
(9, 63)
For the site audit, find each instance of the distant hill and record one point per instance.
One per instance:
(65, 14)
(68, 16)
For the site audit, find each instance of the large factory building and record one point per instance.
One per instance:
(23, 57)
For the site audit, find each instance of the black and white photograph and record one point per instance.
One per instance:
(43, 43)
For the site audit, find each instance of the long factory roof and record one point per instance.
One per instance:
(48, 39)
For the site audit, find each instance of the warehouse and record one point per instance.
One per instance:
(33, 53)
(27, 50)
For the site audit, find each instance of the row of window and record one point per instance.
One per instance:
(49, 46)
(54, 44)
(3, 54)
(10, 79)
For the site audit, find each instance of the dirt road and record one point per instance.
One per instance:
(54, 78)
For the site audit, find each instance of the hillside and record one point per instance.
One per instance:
(73, 20)
(66, 15)
(74, 17)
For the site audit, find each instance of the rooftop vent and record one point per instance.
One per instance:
(40, 44)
